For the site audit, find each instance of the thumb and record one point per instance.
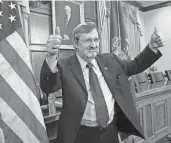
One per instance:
(57, 30)
(155, 30)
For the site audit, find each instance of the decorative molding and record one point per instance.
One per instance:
(153, 92)
(156, 6)
(132, 13)
(42, 7)
(160, 116)
(40, 4)
(148, 8)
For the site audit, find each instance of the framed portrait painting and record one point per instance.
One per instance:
(68, 14)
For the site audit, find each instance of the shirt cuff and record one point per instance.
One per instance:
(155, 50)
(52, 62)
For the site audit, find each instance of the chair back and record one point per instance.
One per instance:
(141, 82)
(157, 79)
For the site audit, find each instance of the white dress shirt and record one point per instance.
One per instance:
(89, 117)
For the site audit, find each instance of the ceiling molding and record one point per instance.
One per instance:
(156, 6)
(148, 8)
(134, 3)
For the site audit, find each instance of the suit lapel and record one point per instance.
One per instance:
(111, 74)
(105, 69)
(108, 74)
(75, 67)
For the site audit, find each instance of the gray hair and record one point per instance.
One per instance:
(83, 28)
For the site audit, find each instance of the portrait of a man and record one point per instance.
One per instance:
(67, 17)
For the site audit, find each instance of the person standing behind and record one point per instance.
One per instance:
(97, 102)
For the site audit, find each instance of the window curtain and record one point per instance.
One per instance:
(95, 11)
(99, 12)
(133, 27)
(104, 26)
(90, 11)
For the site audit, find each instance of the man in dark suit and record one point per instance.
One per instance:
(97, 102)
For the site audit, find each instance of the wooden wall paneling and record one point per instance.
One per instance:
(169, 110)
(52, 129)
(40, 27)
(37, 61)
(148, 120)
(145, 122)
(142, 122)
(160, 116)
(152, 112)
(141, 115)
(64, 53)
(149, 99)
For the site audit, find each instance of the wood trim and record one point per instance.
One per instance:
(41, 11)
(148, 8)
(156, 6)
(134, 3)
(152, 91)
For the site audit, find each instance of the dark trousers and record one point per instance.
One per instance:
(97, 135)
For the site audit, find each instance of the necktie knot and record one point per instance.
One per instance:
(90, 66)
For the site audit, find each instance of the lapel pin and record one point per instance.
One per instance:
(105, 68)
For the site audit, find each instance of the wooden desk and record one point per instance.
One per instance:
(51, 122)
(154, 110)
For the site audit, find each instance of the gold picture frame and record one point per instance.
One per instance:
(65, 16)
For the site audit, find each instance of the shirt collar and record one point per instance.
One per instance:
(83, 63)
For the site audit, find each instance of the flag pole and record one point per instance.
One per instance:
(118, 20)
(53, 17)
(24, 12)
(19, 10)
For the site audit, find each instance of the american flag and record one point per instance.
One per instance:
(21, 119)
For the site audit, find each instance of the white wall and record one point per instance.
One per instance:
(160, 18)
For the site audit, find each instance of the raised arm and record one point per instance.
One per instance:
(146, 58)
(50, 73)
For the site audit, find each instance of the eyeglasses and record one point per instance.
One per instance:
(89, 41)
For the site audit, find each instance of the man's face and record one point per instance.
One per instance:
(67, 10)
(88, 45)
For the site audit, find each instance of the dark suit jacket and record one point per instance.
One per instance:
(115, 71)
